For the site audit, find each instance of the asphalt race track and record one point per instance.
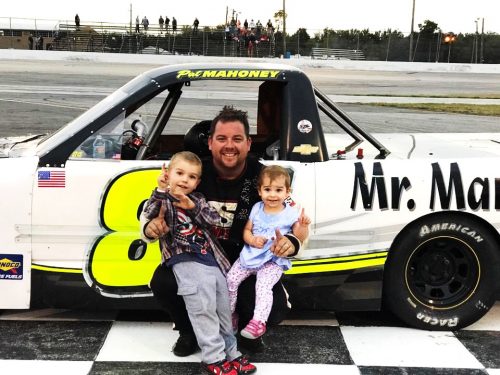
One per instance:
(39, 97)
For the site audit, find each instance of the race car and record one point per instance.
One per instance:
(407, 222)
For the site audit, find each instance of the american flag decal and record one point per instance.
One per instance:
(54, 179)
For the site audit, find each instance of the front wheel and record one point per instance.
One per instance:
(441, 272)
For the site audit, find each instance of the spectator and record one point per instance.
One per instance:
(252, 24)
(258, 30)
(245, 24)
(269, 26)
(167, 23)
(251, 43)
(77, 22)
(40, 42)
(30, 41)
(137, 23)
(145, 23)
(174, 24)
(161, 21)
(195, 25)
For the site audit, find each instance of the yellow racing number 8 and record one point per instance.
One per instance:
(119, 263)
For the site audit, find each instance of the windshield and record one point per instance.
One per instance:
(93, 113)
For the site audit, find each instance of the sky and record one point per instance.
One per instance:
(314, 15)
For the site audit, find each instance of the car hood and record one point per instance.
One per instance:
(424, 145)
(19, 145)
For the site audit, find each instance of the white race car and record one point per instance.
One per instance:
(403, 221)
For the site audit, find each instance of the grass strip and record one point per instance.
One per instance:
(467, 109)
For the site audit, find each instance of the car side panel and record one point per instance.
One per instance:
(16, 185)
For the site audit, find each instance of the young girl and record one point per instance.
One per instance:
(266, 217)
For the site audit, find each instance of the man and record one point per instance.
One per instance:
(228, 183)
(77, 22)
(174, 25)
(195, 25)
(160, 22)
(145, 23)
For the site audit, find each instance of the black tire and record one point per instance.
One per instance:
(441, 273)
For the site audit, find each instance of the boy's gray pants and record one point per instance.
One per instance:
(204, 290)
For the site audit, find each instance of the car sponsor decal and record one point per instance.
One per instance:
(304, 126)
(305, 149)
(227, 73)
(50, 178)
(387, 192)
(11, 266)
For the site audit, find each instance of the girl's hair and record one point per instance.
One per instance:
(273, 172)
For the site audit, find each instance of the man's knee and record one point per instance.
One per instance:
(163, 283)
(246, 302)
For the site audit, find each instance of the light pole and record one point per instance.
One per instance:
(411, 32)
(284, 29)
(476, 39)
(481, 57)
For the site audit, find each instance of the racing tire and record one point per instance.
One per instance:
(441, 272)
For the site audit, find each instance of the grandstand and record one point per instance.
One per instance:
(123, 39)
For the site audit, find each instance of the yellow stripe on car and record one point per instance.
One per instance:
(337, 263)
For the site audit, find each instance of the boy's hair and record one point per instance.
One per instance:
(229, 113)
(273, 172)
(188, 156)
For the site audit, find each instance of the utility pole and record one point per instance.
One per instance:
(476, 40)
(411, 32)
(130, 27)
(481, 56)
(284, 29)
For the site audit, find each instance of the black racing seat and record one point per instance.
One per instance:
(196, 138)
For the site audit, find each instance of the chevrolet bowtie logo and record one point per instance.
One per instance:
(305, 149)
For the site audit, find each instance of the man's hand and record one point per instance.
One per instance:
(157, 227)
(282, 246)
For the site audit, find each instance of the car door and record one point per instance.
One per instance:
(85, 219)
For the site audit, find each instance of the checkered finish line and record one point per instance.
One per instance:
(69, 342)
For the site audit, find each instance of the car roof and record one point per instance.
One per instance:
(168, 69)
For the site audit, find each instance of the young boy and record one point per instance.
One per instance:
(199, 263)
(271, 213)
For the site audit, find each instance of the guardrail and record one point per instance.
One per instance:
(337, 54)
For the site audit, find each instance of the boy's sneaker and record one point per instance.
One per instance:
(243, 365)
(234, 321)
(219, 368)
(254, 329)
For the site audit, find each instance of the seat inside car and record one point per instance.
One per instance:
(196, 138)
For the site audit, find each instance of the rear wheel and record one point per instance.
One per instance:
(440, 273)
